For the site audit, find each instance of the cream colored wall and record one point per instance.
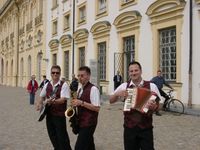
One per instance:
(8, 51)
(10, 22)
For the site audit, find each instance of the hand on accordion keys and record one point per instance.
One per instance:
(141, 99)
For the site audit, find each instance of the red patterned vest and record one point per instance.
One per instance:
(56, 109)
(87, 117)
(135, 118)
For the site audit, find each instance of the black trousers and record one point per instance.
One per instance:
(57, 131)
(85, 139)
(116, 84)
(162, 93)
(138, 139)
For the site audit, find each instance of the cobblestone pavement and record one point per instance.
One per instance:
(20, 130)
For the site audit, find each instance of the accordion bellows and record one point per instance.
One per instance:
(137, 99)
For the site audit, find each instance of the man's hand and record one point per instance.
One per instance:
(151, 104)
(38, 106)
(122, 93)
(49, 101)
(76, 102)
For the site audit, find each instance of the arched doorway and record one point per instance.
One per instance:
(21, 72)
(7, 80)
(2, 71)
(11, 74)
(29, 68)
(39, 66)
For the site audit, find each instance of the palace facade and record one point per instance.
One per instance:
(108, 34)
(22, 41)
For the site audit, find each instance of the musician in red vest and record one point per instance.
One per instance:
(56, 93)
(138, 128)
(32, 87)
(88, 103)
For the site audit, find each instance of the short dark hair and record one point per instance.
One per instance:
(44, 76)
(159, 70)
(85, 68)
(135, 63)
(56, 67)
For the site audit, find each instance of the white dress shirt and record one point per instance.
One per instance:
(153, 87)
(94, 95)
(65, 91)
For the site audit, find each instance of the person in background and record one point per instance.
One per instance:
(45, 80)
(88, 103)
(63, 79)
(117, 80)
(32, 87)
(55, 93)
(138, 127)
(159, 81)
(74, 83)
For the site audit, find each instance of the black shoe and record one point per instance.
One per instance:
(158, 113)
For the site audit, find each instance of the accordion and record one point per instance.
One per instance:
(137, 99)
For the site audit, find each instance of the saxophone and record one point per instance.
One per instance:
(70, 112)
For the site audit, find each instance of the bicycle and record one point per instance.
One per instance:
(174, 105)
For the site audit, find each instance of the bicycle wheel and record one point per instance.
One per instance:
(176, 106)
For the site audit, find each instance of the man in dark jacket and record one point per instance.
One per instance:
(45, 80)
(74, 84)
(159, 81)
(117, 79)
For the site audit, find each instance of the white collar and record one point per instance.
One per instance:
(140, 85)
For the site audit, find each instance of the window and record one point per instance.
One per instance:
(54, 28)
(167, 47)
(127, 3)
(102, 60)
(82, 14)
(54, 60)
(101, 6)
(129, 51)
(66, 22)
(66, 65)
(82, 56)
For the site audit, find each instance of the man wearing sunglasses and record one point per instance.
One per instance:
(55, 93)
(88, 103)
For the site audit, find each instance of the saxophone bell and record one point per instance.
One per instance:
(69, 112)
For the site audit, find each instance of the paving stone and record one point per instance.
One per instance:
(20, 130)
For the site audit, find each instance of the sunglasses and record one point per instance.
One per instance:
(55, 72)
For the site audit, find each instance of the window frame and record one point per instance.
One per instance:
(81, 56)
(81, 19)
(167, 58)
(54, 27)
(66, 26)
(102, 60)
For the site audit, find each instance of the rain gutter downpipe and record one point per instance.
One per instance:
(190, 55)
(73, 22)
(17, 68)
